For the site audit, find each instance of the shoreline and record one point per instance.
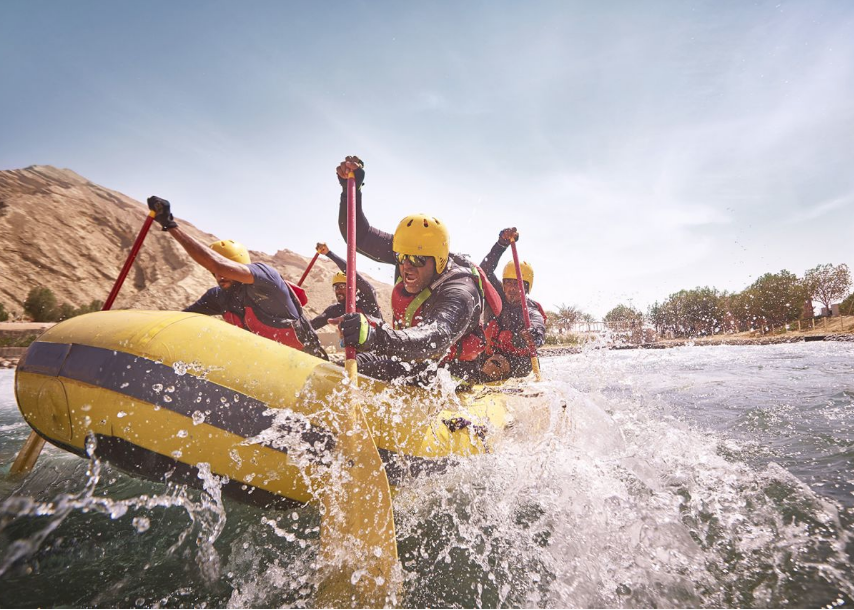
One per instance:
(10, 356)
(559, 350)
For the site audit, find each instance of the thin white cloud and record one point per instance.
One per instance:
(822, 209)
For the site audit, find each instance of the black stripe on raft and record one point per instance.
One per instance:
(158, 384)
(152, 466)
(44, 358)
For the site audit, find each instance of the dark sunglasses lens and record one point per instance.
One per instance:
(414, 259)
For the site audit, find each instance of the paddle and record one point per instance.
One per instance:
(34, 444)
(307, 269)
(357, 539)
(523, 298)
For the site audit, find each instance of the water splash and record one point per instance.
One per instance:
(207, 517)
(610, 497)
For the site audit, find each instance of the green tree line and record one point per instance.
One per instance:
(41, 306)
(773, 300)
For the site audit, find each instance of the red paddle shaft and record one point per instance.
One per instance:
(350, 303)
(108, 304)
(307, 269)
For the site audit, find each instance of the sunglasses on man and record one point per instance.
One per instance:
(414, 259)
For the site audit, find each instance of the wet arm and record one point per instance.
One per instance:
(210, 260)
(323, 319)
(446, 323)
(490, 261)
(371, 242)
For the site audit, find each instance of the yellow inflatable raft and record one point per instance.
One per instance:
(162, 392)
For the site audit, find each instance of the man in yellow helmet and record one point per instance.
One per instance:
(437, 299)
(249, 295)
(366, 296)
(508, 339)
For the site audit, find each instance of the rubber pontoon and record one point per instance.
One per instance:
(161, 392)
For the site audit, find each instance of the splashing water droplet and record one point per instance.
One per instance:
(182, 434)
(157, 387)
(121, 414)
(167, 399)
(141, 524)
(198, 418)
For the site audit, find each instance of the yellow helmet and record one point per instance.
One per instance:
(339, 278)
(232, 250)
(527, 273)
(423, 235)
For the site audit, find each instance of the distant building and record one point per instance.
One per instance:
(833, 311)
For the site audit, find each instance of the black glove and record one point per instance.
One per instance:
(162, 213)
(356, 330)
(506, 242)
(358, 173)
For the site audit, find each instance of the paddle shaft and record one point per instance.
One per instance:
(526, 316)
(307, 269)
(29, 453)
(108, 304)
(358, 519)
(350, 303)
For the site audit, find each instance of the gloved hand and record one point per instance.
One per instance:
(322, 248)
(505, 236)
(356, 331)
(351, 164)
(162, 213)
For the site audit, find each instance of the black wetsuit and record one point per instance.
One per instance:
(270, 300)
(511, 317)
(366, 298)
(452, 311)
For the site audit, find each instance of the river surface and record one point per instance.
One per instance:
(688, 477)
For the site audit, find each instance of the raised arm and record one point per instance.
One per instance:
(371, 242)
(205, 256)
(490, 261)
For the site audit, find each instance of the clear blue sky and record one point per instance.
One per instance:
(640, 147)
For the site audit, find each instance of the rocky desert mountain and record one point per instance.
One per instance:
(59, 230)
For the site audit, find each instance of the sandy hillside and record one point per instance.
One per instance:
(59, 230)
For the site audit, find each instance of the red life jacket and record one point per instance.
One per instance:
(406, 312)
(299, 292)
(285, 336)
(250, 322)
(502, 340)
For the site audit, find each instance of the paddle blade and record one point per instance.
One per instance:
(358, 550)
(28, 455)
